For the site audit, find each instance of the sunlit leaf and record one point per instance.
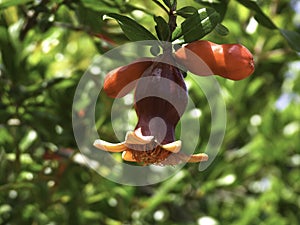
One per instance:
(221, 29)
(200, 24)
(102, 6)
(186, 11)
(8, 3)
(133, 30)
(219, 5)
(260, 16)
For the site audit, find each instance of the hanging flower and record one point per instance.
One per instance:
(160, 100)
(161, 97)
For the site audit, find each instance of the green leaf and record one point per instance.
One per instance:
(221, 29)
(132, 30)
(210, 1)
(292, 37)
(9, 54)
(90, 18)
(162, 28)
(265, 21)
(296, 87)
(168, 3)
(100, 6)
(200, 24)
(8, 3)
(186, 11)
(177, 33)
(219, 5)
(260, 15)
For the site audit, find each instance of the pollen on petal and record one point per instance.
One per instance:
(149, 155)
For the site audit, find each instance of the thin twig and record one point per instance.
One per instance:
(172, 17)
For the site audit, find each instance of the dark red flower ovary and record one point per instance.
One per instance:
(160, 100)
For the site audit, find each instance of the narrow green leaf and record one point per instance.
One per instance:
(162, 28)
(9, 54)
(133, 30)
(296, 87)
(221, 29)
(210, 1)
(265, 21)
(260, 15)
(186, 11)
(168, 3)
(88, 17)
(200, 24)
(177, 33)
(219, 5)
(99, 6)
(292, 37)
(8, 3)
(161, 195)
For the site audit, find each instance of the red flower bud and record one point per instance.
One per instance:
(203, 58)
(119, 78)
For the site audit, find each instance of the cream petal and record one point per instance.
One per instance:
(127, 155)
(194, 158)
(177, 158)
(136, 137)
(198, 158)
(138, 133)
(173, 146)
(110, 147)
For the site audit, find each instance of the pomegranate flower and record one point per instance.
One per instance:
(160, 99)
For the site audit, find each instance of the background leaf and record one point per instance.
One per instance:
(292, 37)
(7, 3)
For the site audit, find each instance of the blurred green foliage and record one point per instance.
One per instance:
(47, 45)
